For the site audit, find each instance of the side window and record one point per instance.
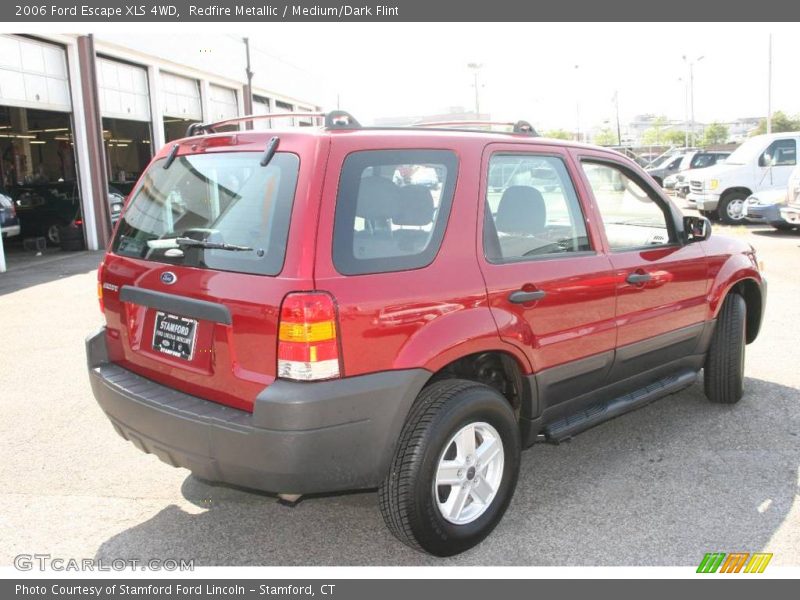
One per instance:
(392, 209)
(675, 163)
(531, 209)
(632, 219)
(781, 153)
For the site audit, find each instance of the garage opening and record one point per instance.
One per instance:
(38, 172)
(182, 106)
(127, 136)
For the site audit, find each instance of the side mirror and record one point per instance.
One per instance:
(696, 229)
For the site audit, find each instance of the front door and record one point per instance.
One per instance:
(550, 285)
(661, 283)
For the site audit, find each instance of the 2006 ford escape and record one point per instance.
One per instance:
(341, 307)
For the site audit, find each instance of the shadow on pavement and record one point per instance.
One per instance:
(660, 486)
(27, 269)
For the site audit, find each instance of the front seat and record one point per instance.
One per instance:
(520, 220)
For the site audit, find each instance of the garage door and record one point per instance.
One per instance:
(222, 103)
(33, 74)
(123, 90)
(261, 107)
(181, 97)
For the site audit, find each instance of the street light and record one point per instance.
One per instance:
(476, 69)
(685, 111)
(691, 63)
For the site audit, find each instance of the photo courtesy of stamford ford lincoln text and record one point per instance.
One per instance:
(321, 300)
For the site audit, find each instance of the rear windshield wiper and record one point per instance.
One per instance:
(190, 242)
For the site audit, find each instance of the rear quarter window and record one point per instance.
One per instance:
(392, 209)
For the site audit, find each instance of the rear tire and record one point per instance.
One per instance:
(416, 506)
(724, 367)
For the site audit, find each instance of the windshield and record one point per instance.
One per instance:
(746, 152)
(216, 199)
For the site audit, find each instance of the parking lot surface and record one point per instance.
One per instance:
(660, 486)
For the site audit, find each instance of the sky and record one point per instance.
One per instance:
(543, 72)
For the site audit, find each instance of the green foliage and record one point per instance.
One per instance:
(715, 133)
(654, 136)
(558, 134)
(606, 137)
(780, 122)
(674, 137)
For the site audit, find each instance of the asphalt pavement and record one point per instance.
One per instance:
(659, 486)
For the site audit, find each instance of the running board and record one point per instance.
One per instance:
(594, 414)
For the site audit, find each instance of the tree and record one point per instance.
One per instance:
(558, 134)
(780, 122)
(605, 137)
(675, 137)
(653, 136)
(715, 133)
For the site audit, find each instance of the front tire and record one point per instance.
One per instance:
(455, 468)
(724, 367)
(731, 207)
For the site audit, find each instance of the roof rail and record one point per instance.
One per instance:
(516, 126)
(336, 119)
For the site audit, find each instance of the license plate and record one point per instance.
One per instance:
(174, 335)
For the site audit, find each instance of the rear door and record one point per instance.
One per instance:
(205, 321)
(661, 283)
(550, 284)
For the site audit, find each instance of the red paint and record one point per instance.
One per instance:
(427, 317)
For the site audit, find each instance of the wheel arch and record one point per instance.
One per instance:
(751, 290)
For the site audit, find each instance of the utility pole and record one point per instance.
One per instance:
(616, 108)
(691, 64)
(248, 97)
(476, 68)
(769, 87)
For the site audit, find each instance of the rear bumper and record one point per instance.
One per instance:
(301, 438)
(10, 230)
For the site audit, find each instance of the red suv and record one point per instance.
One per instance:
(344, 307)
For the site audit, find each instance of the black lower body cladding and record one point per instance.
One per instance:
(301, 437)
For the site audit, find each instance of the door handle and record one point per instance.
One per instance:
(521, 296)
(637, 278)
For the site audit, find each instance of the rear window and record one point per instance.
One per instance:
(392, 209)
(216, 199)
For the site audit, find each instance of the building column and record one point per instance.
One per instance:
(96, 167)
(156, 108)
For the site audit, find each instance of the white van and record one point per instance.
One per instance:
(762, 162)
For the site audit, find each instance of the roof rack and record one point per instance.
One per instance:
(335, 119)
(516, 126)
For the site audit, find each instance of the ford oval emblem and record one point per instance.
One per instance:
(168, 278)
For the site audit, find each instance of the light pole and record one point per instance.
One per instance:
(476, 69)
(685, 111)
(691, 64)
(769, 87)
(616, 109)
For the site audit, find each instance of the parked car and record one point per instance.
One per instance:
(281, 315)
(762, 162)
(665, 168)
(692, 163)
(765, 207)
(9, 222)
(47, 209)
(791, 211)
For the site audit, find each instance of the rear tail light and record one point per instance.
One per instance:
(308, 344)
(100, 287)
